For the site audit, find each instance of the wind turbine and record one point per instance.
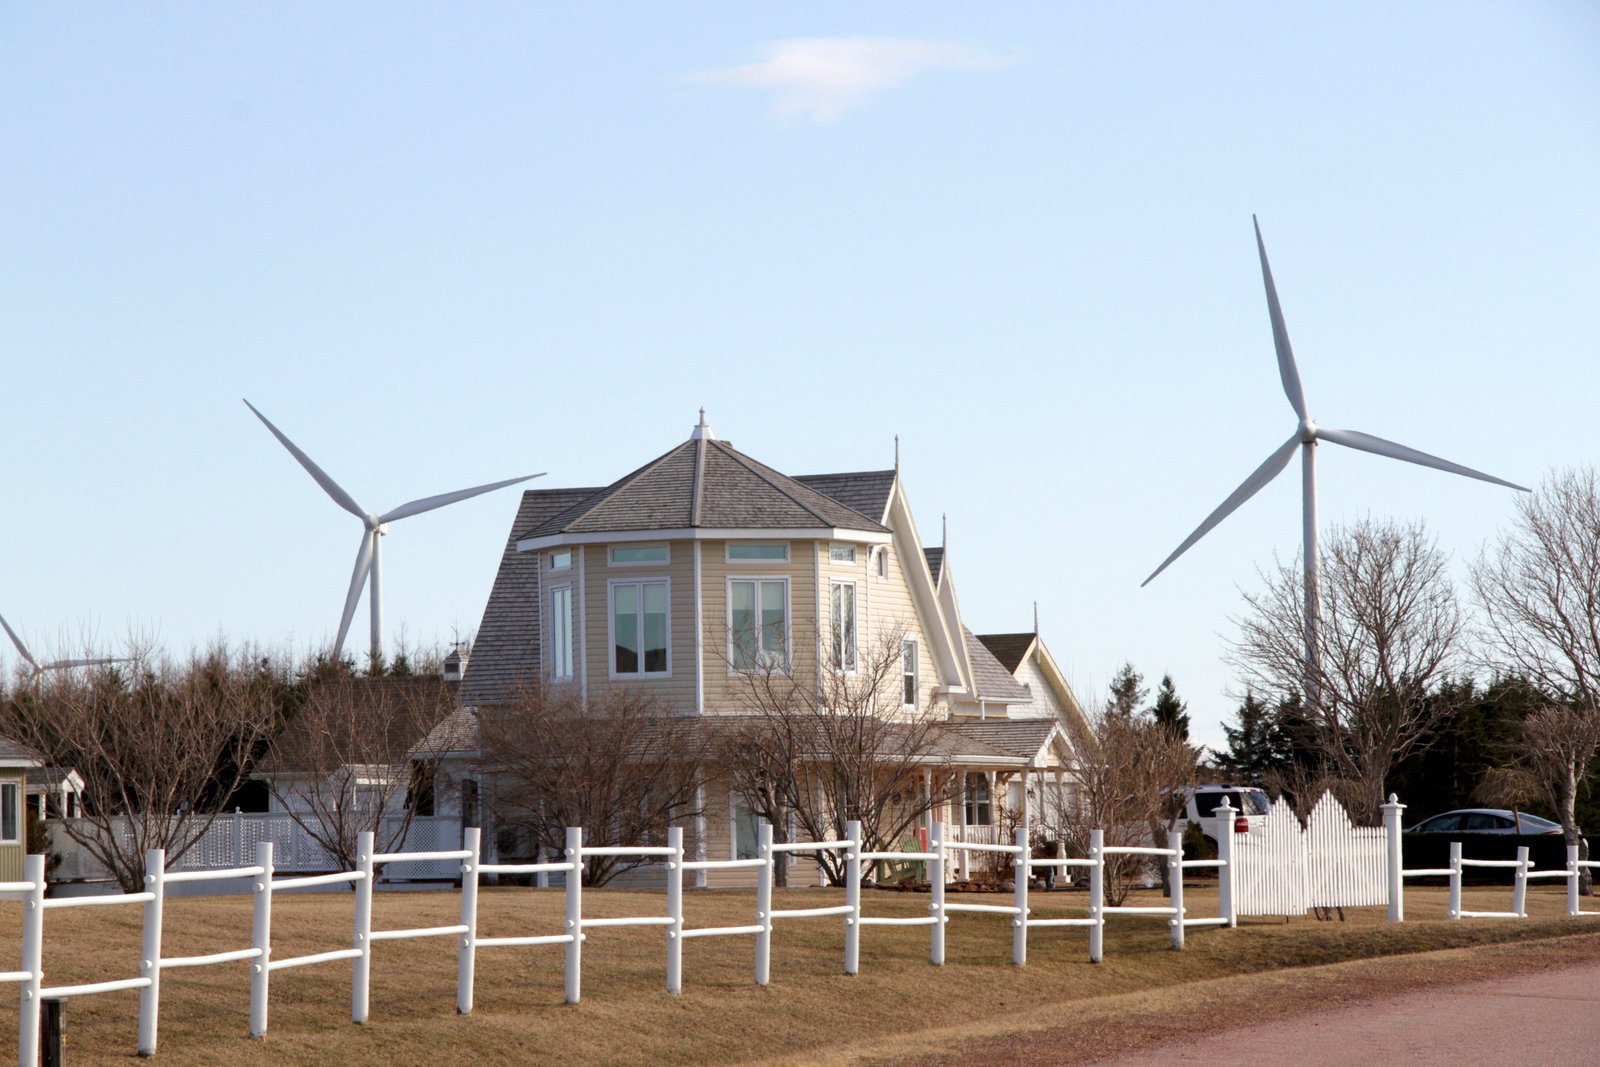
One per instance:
(369, 557)
(1305, 438)
(58, 665)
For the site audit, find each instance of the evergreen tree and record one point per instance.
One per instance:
(1169, 711)
(1255, 744)
(1127, 693)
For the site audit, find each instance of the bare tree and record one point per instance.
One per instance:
(1540, 593)
(621, 769)
(161, 746)
(1131, 771)
(356, 758)
(1391, 633)
(846, 742)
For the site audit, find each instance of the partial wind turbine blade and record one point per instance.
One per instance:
(1249, 488)
(329, 486)
(1280, 334)
(1379, 447)
(22, 650)
(358, 578)
(66, 663)
(417, 507)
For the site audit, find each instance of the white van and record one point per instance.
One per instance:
(1249, 803)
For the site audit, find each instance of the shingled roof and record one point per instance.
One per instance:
(13, 754)
(993, 680)
(1018, 738)
(707, 483)
(864, 491)
(1009, 648)
(506, 650)
(935, 558)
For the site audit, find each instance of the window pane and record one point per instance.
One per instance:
(777, 553)
(651, 554)
(625, 627)
(842, 553)
(561, 560)
(10, 801)
(908, 672)
(744, 831)
(655, 628)
(742, 623)
(561, 632)
(843, 596)
(773, 626)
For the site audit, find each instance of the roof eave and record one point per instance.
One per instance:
(689, 533)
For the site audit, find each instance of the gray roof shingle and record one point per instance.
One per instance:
(1014, 737)
(506, 650)
(993, 680)
(864, 491)
(1009, 648)
(935, 558)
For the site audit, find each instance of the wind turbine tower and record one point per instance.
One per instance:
(369, 557)
(1305, 438)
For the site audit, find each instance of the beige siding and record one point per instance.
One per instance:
(890, 613)
(1045, 703)
(676, 693)
(11, 855)
(725, 691)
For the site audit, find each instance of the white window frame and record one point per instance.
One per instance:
(14, 791)
(611, 626)
(727, 552)
(915, 672)
(735, 803)
(839, 663)
(556, 558)
(556, 658)
(665, 560)
(882, 568)
(788, 621)
(841, 553)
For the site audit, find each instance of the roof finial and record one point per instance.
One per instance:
(703, 431)
(897, 453)
(1036, 618)
(944, 529)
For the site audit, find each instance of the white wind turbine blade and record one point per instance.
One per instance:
(1280, 334)
(63, 664)
(329, 486)
(417, 507)
(1380, 447)
(1249, 488)
(358, 578)
(22, 650)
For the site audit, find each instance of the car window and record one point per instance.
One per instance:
(1255, 802)
(1441, 824)
(1208, 803)
(1478, 820)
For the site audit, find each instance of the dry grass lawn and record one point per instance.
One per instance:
(897, 1009)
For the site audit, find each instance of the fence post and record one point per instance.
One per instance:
(936, 891)
(1455, 879)
(33, 961)
(261, 939)
(1175, 880)
(466, 963)
(852, 898)
(1097, 895)
(238, 836)
(360, 981)
(764, 902)
(1021, 874)
(1397, 883)
(155, 883)
(1226, 906)
(1573, 872)
(573, 969)
(542, 879)
(1519, 892)
(675, 910)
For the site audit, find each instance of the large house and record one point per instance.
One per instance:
(704, 566)
(15, 762)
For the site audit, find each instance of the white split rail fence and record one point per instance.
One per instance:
(264, 885)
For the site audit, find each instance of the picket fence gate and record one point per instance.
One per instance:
(1286, 869)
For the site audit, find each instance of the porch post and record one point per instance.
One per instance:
(962, 868)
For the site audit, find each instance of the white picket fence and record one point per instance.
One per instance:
(467, 864)
(1286, 869)
(231, 840)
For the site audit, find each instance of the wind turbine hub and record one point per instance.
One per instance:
(371, 523)
(1308, 431)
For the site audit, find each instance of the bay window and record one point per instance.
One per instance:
(639, 627)
(758, 623)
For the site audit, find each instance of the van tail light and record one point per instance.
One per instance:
(1241, 825)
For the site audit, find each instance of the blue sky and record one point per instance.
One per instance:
(444, 245)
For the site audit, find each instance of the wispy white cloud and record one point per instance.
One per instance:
(822, 78)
